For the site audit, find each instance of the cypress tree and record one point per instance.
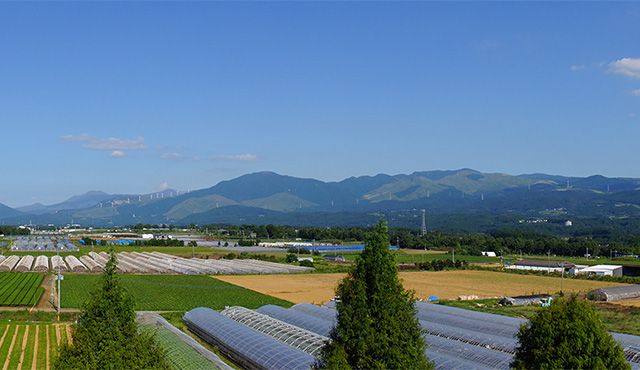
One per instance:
(106, 335)
(377, 327)
(568, 334)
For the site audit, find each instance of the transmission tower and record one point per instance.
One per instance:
(424, 223)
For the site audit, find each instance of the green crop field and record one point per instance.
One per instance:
(169, 292)
(20, 289)
(31, 346)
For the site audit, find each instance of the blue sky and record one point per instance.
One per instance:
(134, 97)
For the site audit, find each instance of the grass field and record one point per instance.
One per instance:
(169, 292)
(30, 346)
(319, 288)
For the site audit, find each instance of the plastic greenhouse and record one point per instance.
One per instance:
(615, 293)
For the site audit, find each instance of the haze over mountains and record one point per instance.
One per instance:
(267, 197)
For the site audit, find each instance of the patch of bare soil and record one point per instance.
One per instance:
(320, 288)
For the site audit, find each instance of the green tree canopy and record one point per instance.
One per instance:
(377, 327)
(568, 334)
(106, 336)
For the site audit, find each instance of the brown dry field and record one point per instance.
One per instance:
(629, 302)
(319, 288)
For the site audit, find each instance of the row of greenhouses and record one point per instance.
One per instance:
(142, 263)
(273, 337)
(42, 244)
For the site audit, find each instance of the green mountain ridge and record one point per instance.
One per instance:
(267, 196)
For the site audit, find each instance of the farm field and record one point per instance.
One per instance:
(319, 288)
(20, 289)
(169, 292)
(31, 346)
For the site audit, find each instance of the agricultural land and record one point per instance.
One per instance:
(170, 292)
(319, 288)
(31, 346)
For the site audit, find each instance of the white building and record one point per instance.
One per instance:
(609, 270)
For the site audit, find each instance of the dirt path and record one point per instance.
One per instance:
(4, 335)
(48, 346)
(44, 304)
(69, 339)
(57, 333)
(34, 364)
(24, 346)
(13, 341)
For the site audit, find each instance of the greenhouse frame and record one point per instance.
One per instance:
(249, 348)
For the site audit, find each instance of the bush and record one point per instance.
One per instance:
(306, 263)
(291, 258)
(568, 334)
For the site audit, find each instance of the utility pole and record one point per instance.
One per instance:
(549, 261)
(562, 280)
(59, 277)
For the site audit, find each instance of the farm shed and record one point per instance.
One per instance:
(42, 264)
(25, 264)
(246, 346)
(615, 293)
(608, 270)
(542, 265)
(9, 263)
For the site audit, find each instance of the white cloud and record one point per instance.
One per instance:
(172, 156)
(631, 115)
(117, 154)
(98, 143)
(577, 68)
(636, 92)
(164, 186)
(629, 67)
(236, 158)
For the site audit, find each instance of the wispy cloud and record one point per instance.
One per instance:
(636, 92)
(578, 67)
(236, 158)
(629, 67)
(172, 156)
(117, 154)
(178, 157)
(98, 143)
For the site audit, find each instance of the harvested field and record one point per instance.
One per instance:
(629, 302)
(319, 288)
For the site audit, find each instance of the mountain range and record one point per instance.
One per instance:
(267, 197)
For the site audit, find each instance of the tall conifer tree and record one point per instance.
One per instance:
(377, 327)
(106, 336)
